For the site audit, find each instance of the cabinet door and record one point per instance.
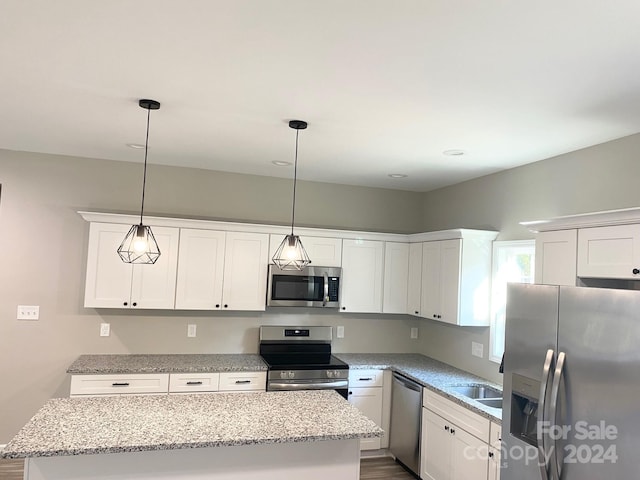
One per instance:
(609, 252)
(430, 298)
(556, 257)
(396, 277)
(414, 284)
(154, 286)
(323, 251)
(435, 448)
(245, 271)
(200, 269)
(362, 271)
(369, 402)
(450, 258)
(469, 456)
(108, 280)
(494, 464)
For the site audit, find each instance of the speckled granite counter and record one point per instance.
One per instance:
(430, 373)
(76, 426)
(176, 363)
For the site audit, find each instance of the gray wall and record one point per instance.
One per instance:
(43, 260)
(603, 177)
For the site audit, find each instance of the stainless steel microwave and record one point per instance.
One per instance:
(309, 287)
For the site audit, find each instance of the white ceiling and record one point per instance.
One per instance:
(386, 85)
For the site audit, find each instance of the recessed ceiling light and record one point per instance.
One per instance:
(281, 163)
(398, 175)
(453, 153)
(137, 146)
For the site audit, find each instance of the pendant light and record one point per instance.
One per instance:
(291, 255)
(140, 246)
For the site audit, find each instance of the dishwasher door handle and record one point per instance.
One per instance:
(407, 383)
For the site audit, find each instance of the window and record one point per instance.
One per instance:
(513, 261)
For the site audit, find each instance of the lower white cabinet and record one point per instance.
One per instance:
(495, 451)
(243, 382)
(366, 394)
(120, 384)
(455, 441)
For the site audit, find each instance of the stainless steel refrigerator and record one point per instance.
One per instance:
(571, 408)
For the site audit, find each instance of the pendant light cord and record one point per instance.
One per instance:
(295, 179)
(144, 175)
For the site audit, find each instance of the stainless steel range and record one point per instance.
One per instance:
(299, 358)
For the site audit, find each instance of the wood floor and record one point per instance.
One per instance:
(370, 469)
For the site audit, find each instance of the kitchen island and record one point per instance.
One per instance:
(268, 435)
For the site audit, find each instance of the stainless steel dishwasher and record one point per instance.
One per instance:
(406, 410)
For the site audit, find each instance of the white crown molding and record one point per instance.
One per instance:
(623, 216)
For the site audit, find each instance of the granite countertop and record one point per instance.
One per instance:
(173, 363)
(98, 425)
(428, 372)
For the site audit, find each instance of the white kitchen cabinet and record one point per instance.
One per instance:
(323, 251)
(245, 271)
(414, 285)
(119, 384)
(111, 283)
(200, 269)
(456, 280)
(454, 441)
(396, 277)
(609, 252)
(362, 276)
(181, 383)
(366, 394)
(495, 451)
(243, 382)
(556, 253)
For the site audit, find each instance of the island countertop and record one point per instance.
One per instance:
(97, 425)
(169, 363)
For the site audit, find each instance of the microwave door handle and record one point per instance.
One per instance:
(325, 297)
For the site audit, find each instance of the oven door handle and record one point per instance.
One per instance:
(307, 386)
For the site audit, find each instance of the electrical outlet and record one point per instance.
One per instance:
(340, 331)
(414, 332)
(28, 312)
(477, 349)
(191, 330)
(105, 329)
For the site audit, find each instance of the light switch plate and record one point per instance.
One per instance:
(191, 330)
(28, 312)
(105, 329)
(414, 332)
(477, 349)
(340, 331)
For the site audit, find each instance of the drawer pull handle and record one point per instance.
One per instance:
(120, 384)
(446, 427)
(365, 379)
(238, 382)
(490, 454)
(194, 383)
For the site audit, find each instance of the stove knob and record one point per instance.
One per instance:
(292, 375)
(330, 373)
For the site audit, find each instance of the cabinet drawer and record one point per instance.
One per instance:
(119, 384)
(461, 416)
(193, 382)
(241, 381)
(365, 378)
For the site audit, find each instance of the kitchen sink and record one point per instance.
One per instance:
(490, 402)
(478, 392)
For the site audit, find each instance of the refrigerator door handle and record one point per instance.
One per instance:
(542, 408)
(556, 467)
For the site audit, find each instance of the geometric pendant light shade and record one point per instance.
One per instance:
(291, 255)
(139, 245)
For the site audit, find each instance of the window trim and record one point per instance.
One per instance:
(499, 244)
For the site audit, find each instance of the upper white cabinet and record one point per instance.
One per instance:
(323, 251)
(556, 253)
(111, 283)
(396, 277)
(609, 252)
(362, 276)
(414, 287)
(200, 269)
(455, 283)
(245, 271)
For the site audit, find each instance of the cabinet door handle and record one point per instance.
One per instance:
(126, 303)
(238, 382)
(635, 271)
(446, 427)
(490, 454)
(416, 312)
(453, 432)
(135, 304)
(194, 383)
(217, 305)
(225, 305)
(120, 384)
